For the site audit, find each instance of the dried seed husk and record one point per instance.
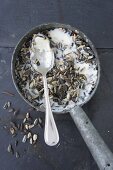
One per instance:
(10, 110)
(16, 142)
(35, 122)
(10, 149)
(32, 84)
(27, 115)
(31, 126)
(40, 125)
(68, 96)
(16, 112)
(24, 139)
(17, 154)
(26, 126)
(31, 141)
(12, 131)
(5, 106)
(25, 119)
(29, 135)
(40, 120)
(8, 93)
(9, 104)
(21, 126)
(54, 82)
(35, 136)
(31, 109)
(49, 79)
(13, 125)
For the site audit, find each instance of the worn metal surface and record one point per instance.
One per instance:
(99, 150)
(95, 19)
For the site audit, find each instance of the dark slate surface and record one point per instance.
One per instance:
(92, 17)
(95, 19)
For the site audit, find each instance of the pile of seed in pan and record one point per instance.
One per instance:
(72, 78)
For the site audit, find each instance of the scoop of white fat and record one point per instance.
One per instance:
(59, 36)
(41, 54)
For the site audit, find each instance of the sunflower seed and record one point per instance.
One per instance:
(17, 155)
(12, 130)
(9, 104)
(21, 127)
(10, 110)
(8, 93)
(24, 139)
(68, 96)
(27, 115)
(35, 137)
(49, 79)
(13, 125)
(31, 126)
(16, 142)
(15, 112)
(40, 120)
(25, 119)
(31, 141)
(5, 106)
(10, 149)
(40, 125)
(29, 135)
(26, 126)
(35, 122)
(31, 109)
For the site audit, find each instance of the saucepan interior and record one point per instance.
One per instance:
(28, 36)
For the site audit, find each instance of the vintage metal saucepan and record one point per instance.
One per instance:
(99, 150)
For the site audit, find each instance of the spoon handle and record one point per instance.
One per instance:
(51, 135)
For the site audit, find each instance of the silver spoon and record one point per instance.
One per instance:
(42, 60)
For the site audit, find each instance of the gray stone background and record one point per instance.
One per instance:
(95, 19)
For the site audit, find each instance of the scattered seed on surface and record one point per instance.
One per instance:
(9, 104)
(17, 155)
(5, 106)
(27, 115)
(25, 119)
(10, 110)
(16, 142)
(10, 149)
(31, 141)
(40, 120)
(31, 126)
(8, 93)
(16, 112)
(13, 125)
(40, 125)
(12, 130)
(21, 126)
(31, 109)
(35, 121)
(29, 135)
(24, 139)
(5, 127)
(35, 137)
(26, 126)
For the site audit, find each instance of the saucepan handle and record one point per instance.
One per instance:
(99, 150)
